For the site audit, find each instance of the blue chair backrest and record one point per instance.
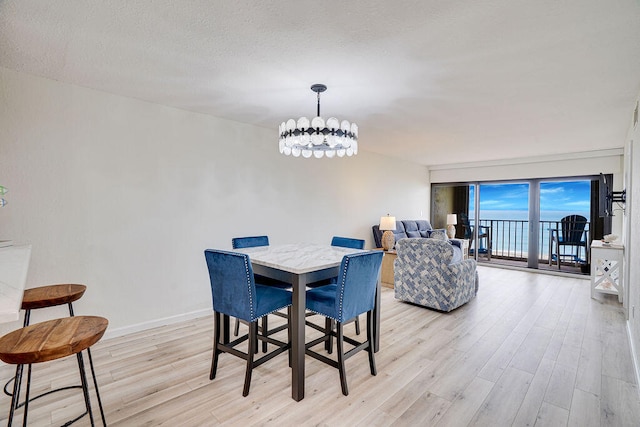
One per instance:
(233, 288)
(249, 242)
(357, 281)
(347, 242)
(573, 228)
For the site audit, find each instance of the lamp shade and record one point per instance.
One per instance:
(387, 223)
(452, 219)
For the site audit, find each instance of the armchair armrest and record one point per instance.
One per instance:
(456, 242)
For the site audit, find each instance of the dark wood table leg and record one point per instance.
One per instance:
(297, 337)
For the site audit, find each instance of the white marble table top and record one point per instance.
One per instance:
(298, 258)
(14, 263)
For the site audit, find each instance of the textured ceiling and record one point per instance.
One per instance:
(430, 81)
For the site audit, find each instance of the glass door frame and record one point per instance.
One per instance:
(534, 241)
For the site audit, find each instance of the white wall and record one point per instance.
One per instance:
(124, 196)
(574, 165)
(632, 248)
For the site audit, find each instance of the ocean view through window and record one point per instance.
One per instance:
(505, 208)
(517, 223)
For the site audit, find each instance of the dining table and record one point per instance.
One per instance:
(300, 264)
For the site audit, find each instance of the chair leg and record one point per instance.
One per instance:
(328, 327)
(253, 336)
(236, 329)
(340, 349)
(265, 332)
(370, 349)
(216, 340)
(357, 325)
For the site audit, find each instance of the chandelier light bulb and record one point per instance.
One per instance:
(316, 137)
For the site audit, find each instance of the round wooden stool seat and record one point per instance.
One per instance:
(44, 297)
(51, 295)
(52, 339)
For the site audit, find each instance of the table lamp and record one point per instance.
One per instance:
(452, 220)
(387, 224)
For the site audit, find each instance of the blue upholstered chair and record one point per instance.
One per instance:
(235, 293)
(424, 274)
(252, 242)
(343, 242)
(249, 242)
(347, 242)
(353, 294)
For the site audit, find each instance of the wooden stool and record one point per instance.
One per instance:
(52, 340)
(43, 297)
(50, 296)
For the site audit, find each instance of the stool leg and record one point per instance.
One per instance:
(85, 386)
(14, 396)
(26, 396)
(27, 319)
(95, 384)
(26, 401)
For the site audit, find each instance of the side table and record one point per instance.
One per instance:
(607, 269)
(464, 245)
(386, 274)
(465, 248)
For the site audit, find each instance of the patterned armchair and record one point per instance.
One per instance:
(424, 275)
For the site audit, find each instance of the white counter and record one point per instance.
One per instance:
(14, 264)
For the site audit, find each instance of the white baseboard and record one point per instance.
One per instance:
(126, 330)
(634, 356)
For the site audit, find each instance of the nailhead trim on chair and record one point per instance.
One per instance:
(344, 277)
(272, 311)
(246, 268)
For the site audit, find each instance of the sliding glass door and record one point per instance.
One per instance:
(503, 215)
(516, 222)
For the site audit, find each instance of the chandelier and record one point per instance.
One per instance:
(316, 137)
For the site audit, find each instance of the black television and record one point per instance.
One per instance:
(605, 204)
(606, 196)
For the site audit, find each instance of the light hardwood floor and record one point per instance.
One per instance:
(530, 349)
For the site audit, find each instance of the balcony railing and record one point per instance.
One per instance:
(510, 238)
